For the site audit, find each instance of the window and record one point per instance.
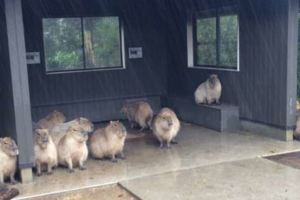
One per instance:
(215, 40)
(82, 43)
(206, 50)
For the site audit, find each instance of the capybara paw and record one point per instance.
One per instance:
(13, 182)
(49, 173)
(114, 160)
(71, 171)
(82, 168)
(174, 142)
(122, 157)
(39, 174)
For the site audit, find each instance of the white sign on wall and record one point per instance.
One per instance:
(135, 52)
(33, 58)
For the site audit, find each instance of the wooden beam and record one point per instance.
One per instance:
(20, 86)
(292, 53)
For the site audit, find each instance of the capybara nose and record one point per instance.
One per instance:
(45, 141)
(85, 134)
(16, 150)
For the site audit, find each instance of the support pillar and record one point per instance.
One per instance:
(20, 86)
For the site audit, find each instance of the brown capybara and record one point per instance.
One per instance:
(72, 148)
(139, 113)
(59, 130)
(209, 91)
(45, 151)
(165, 126)
(108, 141)
(51, 120)
(8, 157)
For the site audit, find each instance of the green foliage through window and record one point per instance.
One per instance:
(206, 41)
(81, 43)
(228, 40)
(216, 40)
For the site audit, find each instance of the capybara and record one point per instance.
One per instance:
(8, 156)
(139, 113)
(45, 151)
(108, 141)
(58, 131)
(166, 126)
(209, 91)
(72, 148)
(51, 120)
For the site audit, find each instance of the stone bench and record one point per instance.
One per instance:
(217, 117)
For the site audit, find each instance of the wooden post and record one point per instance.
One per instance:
(292, 53)
(20, 86)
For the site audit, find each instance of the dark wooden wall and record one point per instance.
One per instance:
(98, 94)
(260, 89)
(6, 97)
(264, 89)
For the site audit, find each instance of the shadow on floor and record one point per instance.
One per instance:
(289, 159)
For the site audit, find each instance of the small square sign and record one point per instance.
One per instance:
(135, 52)
(33, 58)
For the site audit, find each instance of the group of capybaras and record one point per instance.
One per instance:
(69, 144)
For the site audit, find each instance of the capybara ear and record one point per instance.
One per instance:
(56, 113)
(38, 131)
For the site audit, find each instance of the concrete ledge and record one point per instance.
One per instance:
(266, 130)
(96, 110)
(26, 175)
(218, 117)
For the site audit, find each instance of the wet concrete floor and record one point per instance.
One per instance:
(203, 162)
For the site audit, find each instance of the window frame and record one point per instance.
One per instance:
(84, 67)
(193, 42)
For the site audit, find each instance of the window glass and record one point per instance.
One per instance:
(216, 39)
(82, 43)
(63, 44)
(228, 40)
(102, 42)
(206, 41)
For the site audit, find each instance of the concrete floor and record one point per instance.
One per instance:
(240, 180)
(205, 164)
(110, 192)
